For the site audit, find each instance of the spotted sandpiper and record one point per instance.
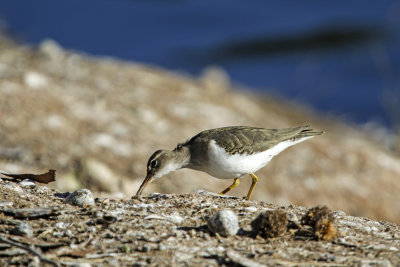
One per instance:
(226, 153)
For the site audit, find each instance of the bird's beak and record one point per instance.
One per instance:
(146, 181)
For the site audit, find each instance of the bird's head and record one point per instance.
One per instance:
(163, 162)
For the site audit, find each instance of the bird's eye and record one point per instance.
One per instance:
(153, 163)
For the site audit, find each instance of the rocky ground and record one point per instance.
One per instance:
(97, 120)
(171, 230)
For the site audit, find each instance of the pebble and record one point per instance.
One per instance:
(251, 209)
(175, 219)
(98, 214)
(81, 198)
(35, 80)
(14, 187)
(4, 203)
(41, 189)
(22, 229)
(52, 49)
(91, 229)
(68, 233)
(224, 222)
(27, 183)
(61, 225)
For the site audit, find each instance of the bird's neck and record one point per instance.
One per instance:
(181, 157)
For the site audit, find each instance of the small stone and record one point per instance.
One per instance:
(41, 189)
(35, 80)
(81, 198)
(23, 229)
(52, 49)
(224, 222)
(14, 187)
(61, 225)
(175, 219)
(109, 235)
(58, 234)
(27, 183)
(107, 219)
(98, 214)
(4, 203)
(250, 209)
(34, 261)
(68, 233)
(271, 223)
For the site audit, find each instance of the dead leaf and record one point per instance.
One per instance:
(44, 178)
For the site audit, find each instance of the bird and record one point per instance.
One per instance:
(226, 153)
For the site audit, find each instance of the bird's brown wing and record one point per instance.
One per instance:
(243, 139)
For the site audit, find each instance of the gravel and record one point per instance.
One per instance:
(172, 230)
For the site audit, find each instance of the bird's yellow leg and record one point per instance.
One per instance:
(236, 182)
(253, 184)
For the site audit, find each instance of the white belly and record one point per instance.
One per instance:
(225, 166)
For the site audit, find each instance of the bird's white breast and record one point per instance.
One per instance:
(225, 166)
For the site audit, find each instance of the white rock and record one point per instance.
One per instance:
(61, 225)
(27, 183)
(4, 203)
(250, 209)
(23, 229)
(35, 80)
(52, 49)
(81, 197)
(55, 121)
(14, 187)
(68, 233)
(91, 229)
(175, 219)
(224, 222)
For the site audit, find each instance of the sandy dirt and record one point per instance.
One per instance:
(165, 230)
(97, 121)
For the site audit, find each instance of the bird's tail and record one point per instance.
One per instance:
(308, 131)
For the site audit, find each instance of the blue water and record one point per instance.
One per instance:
(340, 57)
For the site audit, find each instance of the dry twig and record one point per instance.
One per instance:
(29, 249)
